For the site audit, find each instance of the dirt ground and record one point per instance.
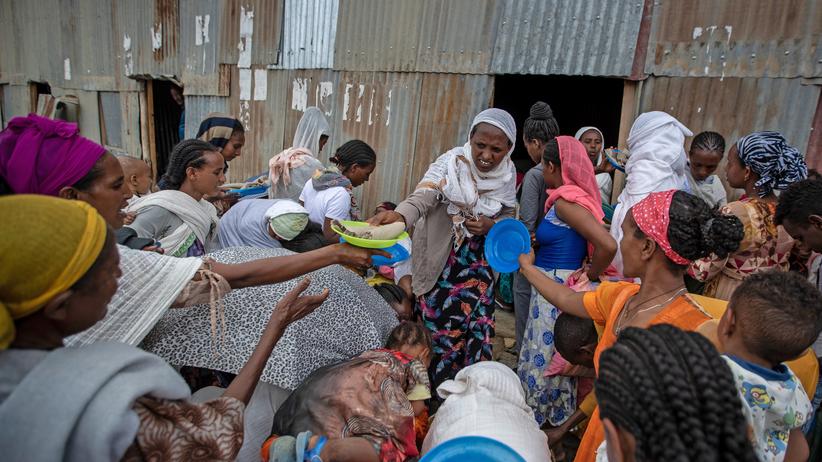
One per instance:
(504, 340)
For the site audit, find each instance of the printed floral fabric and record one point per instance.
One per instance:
(773, 403)
(764, 246)
(173, 430)
(459, 312)
(553, 399)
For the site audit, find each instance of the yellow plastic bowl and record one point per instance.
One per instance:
(366, 243)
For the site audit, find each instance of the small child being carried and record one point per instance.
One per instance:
(771, 318)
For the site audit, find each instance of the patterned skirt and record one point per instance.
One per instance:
(459, 312)
(553, 399)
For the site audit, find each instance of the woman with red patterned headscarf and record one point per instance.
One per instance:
(662, 235)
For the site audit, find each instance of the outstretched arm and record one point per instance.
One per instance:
(277, 269)
(557, 294)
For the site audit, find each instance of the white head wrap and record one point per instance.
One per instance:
(486, 399)
(459, 180)
(582, 131)
(657, 163)
(312, 125)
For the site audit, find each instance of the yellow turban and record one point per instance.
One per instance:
(46, 245)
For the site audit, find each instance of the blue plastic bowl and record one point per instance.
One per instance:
(249, 191)
(474, 449)
(505, 242)
(398, 254)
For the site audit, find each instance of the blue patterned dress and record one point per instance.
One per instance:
(561, 252)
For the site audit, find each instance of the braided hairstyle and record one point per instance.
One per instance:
(675, 394)
(551, 153)
(799, 202)
(779, 314)
(187, 153)
(354, 152)
(409, 333)
(696, 231)
(709, 141)
(540, 124)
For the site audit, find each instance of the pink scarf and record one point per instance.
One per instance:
(579, 182)
(281, 164)
(653, 215)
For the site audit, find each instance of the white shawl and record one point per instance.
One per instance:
(469, 192)
(149, 285)
(199, 218)
(657, 163)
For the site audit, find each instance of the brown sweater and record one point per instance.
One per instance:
(427, 212)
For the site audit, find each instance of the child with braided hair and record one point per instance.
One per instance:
(661, 236)
(704, 157)
(772, 317)
(666, 394)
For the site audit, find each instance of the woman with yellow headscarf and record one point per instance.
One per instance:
(106, 401)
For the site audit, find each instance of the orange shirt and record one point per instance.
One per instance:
(604, 306)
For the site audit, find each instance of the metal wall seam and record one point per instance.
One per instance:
(199, 53)
(309, 33)
(736, 38)
(567, 37)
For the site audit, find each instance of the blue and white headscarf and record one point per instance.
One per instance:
(777, 163)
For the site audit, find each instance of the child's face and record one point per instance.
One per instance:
(809, 234)
(704, 163)
(420, 352)
(584, 356)
(141, 181)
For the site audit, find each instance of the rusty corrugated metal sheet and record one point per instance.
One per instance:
(146, 37)
(16, 102)
(736, 38)
(264, 19)
(309, 32)
(424, 36)
(567, 37)
(448, 105)
(202, 73)
(735, 107)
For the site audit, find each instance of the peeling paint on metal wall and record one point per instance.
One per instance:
(263, 39)
(736, 38)
(567, 37)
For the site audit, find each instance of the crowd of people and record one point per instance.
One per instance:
(176, 319)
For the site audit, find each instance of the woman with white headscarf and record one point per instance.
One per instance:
(292, 168)
(657, 163)
(594, 142)
(263, 223)
(461, 196)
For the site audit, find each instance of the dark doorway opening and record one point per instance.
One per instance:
(575, 101)
(166, 103)
(37, 89)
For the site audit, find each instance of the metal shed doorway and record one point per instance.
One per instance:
(575, 101)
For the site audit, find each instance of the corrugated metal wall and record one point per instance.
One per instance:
(309, 33)
(739, 38)
(735, 107)
(423, 35)
(568, 37)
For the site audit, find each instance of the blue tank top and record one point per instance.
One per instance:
(560, 246)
